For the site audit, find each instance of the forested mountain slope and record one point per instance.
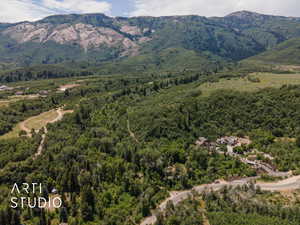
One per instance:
(287, 53)
(98, 38)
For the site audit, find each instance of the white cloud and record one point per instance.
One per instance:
(214, 7)
(17, 10)
(21, 10)
(79, 6)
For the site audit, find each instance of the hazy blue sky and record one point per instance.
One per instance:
(19, 10)
(122, 8)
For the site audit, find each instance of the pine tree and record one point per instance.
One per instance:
(87, 204)
(43, 220)
(63, 215)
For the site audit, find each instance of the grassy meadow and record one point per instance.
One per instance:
(263, 80)
(35, 122)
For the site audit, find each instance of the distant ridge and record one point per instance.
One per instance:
(245, 13)
(97, 38)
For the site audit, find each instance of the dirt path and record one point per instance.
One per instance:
(28, 130)
(205, 218)
(23, 127)
(131, 133)
(41, 146)
(60, 115)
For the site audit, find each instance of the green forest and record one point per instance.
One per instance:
(131, 114)
(131, 140)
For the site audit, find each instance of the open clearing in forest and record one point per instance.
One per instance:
(15, 98)
(4, 103)
(67, 86)
(244, 84)
(36, 122)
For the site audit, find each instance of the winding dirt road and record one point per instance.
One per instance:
(60, 115)
(131, 133)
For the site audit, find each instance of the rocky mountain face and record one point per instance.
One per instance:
(96, 37)
(86, 36)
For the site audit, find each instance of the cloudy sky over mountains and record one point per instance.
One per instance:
(20, 10)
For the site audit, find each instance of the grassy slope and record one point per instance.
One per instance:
(36, 122)
(287, 53)
(170, 59)
(243, 84)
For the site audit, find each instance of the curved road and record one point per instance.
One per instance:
(292, 183)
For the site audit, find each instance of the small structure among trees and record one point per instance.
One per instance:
(232, 141)
(202, 141)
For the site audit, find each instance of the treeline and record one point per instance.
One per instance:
(18, 111)
(154, 87)
(225, 112)
(41, 72)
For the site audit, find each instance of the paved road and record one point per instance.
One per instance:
(292, 183)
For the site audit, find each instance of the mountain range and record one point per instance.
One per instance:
(190, 41)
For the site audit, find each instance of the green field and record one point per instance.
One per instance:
(15, 98)
(4, 103)
(37, 122)
(12, 134)
(244, 84)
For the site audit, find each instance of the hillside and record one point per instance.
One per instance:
(97, 38)
(267, 30)
(251, 83)
(131, 140)
(121, 118)
(287, 53)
